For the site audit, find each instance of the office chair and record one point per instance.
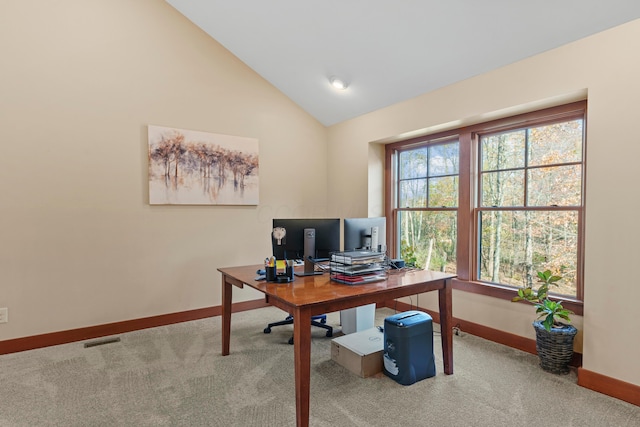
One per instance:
(319, 321)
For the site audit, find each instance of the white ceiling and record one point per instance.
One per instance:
(390, 51)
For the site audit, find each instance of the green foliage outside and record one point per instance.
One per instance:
(530, 195)
(429, 179)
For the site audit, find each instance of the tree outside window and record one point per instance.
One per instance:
(494, 202)
(427, 205)
(530, 186)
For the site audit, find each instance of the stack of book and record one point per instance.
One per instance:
(357, 267)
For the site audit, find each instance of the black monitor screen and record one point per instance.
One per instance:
(358, 234)
(287, 237)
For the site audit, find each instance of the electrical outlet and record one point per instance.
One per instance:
(4, 315)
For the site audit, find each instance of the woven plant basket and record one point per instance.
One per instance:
(555, 348)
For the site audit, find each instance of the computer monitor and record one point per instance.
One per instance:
(365, 233)
(311, 240)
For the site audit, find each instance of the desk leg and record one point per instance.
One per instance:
(446, 320)
(226, 314)
(302, 356)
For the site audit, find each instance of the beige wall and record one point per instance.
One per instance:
(79, 83)
(605, 69)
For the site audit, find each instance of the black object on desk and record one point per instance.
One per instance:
(272, 275)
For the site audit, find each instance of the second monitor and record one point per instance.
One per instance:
(365, 233)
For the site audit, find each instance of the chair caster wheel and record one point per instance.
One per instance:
(267, 330)
(291, 341)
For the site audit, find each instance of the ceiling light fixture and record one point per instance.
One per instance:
(338, 83)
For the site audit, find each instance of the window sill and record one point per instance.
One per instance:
(507, 293)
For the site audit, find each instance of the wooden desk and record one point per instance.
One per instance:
(312, 295)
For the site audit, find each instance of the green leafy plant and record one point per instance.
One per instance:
(551, 311)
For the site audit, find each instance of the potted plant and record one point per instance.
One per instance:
(554, 339)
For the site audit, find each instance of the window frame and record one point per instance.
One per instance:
(468, 193)
(392, 181)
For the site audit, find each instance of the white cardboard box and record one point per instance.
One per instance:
(360, 352)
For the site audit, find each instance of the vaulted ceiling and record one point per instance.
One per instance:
(389, 51)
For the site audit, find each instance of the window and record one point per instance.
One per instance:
(427, 204)
(495, 202)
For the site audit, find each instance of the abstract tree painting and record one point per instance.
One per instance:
(189, 167)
